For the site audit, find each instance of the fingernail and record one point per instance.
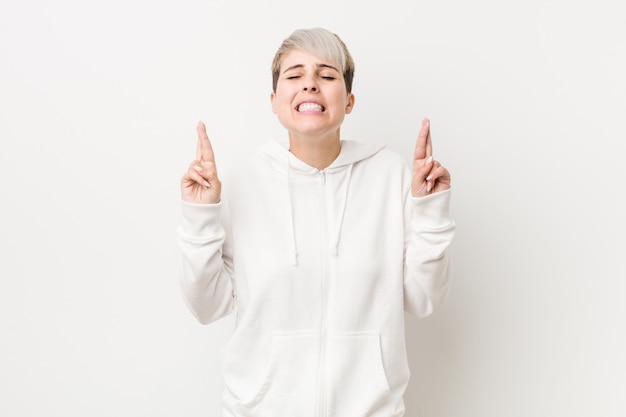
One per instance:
(429, 186)
(428, 178)
(430, 159)
(197, 168)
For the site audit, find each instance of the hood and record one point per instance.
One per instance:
(351, 152)
(281, 159)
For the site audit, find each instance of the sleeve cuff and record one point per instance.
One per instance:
(201, 220)
(432, 211)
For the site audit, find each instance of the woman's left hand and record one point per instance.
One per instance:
(429, 176)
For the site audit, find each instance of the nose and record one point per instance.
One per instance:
(309, 85)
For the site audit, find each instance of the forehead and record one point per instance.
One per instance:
(296, 57)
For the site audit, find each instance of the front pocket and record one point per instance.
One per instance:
(358, 385)
(290, 386)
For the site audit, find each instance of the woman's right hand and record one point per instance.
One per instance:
(200, 184)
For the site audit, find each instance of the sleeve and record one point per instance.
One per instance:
(429, 229)
(206, 269)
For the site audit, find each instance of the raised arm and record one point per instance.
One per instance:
(429, 231)
(206, 268)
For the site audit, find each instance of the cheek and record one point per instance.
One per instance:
(278, 102)
(280, 105)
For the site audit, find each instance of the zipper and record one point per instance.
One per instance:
(323, 365)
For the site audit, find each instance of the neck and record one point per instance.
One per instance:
(316, 152)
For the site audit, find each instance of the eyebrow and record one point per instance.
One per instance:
(318, 66)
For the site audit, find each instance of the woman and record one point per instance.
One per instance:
(318, 245)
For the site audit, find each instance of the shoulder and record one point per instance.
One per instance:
(391, 156)
(248, 167)
(388, 159)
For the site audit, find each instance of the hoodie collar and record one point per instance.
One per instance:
(351, 152)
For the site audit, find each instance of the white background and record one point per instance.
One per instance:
(98, 106)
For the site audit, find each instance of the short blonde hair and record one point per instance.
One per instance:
(320, 42)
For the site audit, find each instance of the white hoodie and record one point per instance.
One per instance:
(319, 267)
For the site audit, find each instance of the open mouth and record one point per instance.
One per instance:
(310, 107)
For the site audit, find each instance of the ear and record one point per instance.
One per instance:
(273, 101)
(350, 103)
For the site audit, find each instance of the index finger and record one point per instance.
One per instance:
(204, 151)
(423, 146)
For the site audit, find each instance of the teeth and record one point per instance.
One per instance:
(310, 107)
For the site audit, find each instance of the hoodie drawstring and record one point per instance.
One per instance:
(342, 212)
(293, 253)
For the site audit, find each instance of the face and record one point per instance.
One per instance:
(311, 98)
